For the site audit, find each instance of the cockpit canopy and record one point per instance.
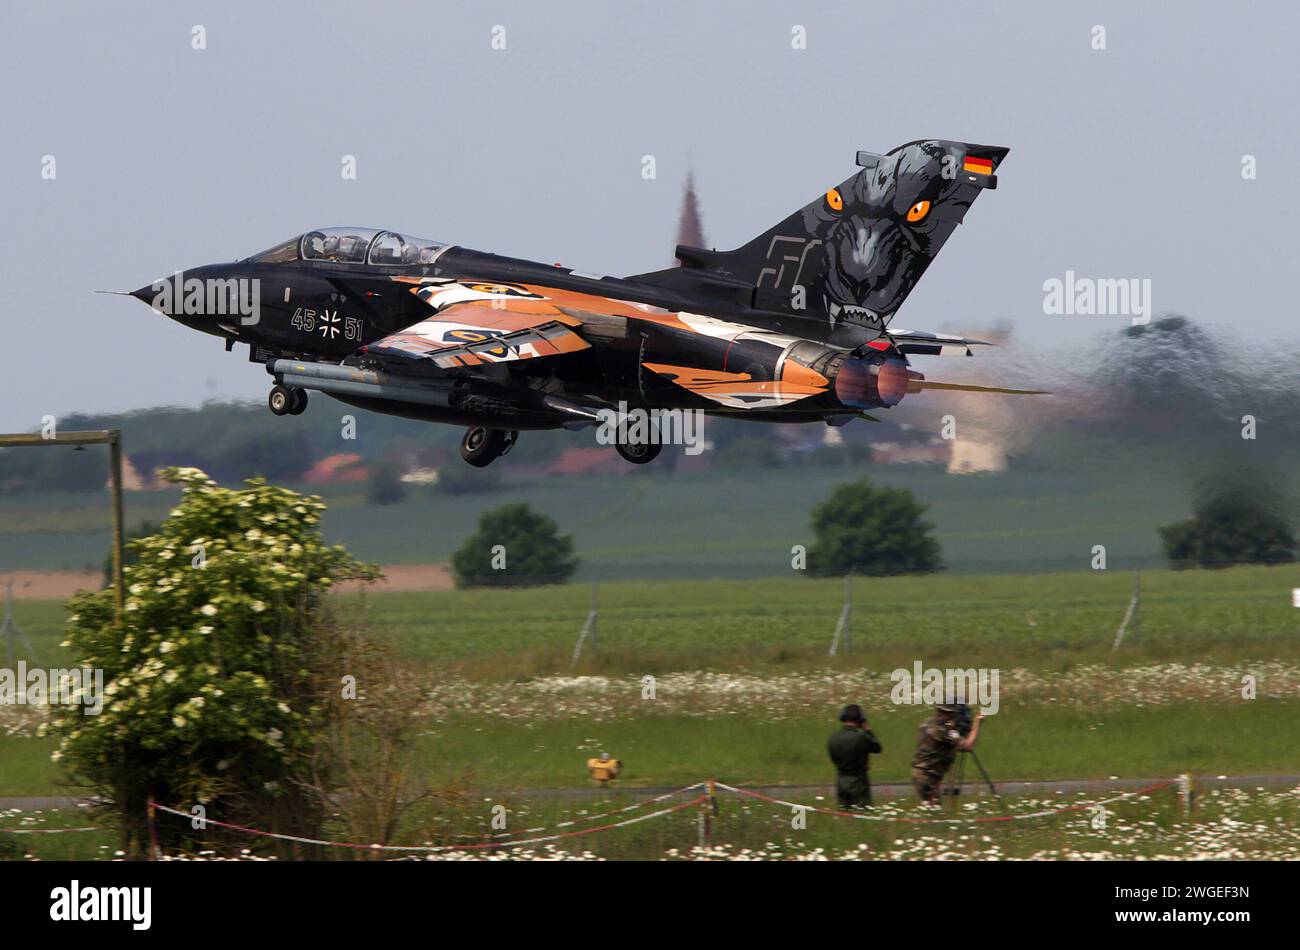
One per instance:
(354, 246)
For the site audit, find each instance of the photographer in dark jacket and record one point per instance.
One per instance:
(849, 747)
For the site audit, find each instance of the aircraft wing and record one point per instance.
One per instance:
(473, 324)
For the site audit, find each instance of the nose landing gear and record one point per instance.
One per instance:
(482, 446)
(287, 400)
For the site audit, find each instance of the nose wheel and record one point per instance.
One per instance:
(287, 400)
(482, 446)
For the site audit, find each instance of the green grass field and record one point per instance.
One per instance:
(1032, 620)
(1046, 618)
(1020, 743)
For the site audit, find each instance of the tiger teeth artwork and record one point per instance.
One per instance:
(792, 326)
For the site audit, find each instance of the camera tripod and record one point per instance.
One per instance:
(957, 777)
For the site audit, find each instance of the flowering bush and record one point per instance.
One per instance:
(214, 690)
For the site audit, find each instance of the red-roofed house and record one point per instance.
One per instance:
(341, 469)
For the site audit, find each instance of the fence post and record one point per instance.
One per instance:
(155, 852)
(711, 809)
(1187, 793)
(844, 628)
(1130, 615)
(11, 629)
(588, 630)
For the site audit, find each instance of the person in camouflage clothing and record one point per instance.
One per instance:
(849, 746)
(942, 736)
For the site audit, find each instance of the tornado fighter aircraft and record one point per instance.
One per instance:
(793, 326)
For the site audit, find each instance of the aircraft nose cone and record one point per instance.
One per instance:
(163, 295)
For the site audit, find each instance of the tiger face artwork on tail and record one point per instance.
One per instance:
(854, 253)
(882, 227)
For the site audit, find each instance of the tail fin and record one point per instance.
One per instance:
(856, 252)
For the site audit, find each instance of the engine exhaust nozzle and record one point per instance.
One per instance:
(871, 383)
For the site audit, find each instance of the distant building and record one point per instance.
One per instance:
(421, 476)
(132, 480)
(588, 461)
(893, 453)
(970, 457)
(986, 427)
(340, 469)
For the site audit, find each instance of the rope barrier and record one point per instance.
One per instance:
(585, 818)
(512, 843)
(1078, 806)
(701, 799)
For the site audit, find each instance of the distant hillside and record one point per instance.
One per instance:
(233, 441)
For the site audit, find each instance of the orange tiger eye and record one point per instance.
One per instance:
(834, 200)
(918, 211)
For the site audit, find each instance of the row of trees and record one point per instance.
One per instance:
(876, 530)
(862, 527)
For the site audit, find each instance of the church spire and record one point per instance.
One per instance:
(689, 229)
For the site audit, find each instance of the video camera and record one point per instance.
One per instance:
(963, 718)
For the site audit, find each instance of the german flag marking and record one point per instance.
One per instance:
(980, 166)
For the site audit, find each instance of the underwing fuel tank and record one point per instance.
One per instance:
(339, 380)
(445, 399)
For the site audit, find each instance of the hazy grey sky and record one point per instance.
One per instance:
(1124, 162)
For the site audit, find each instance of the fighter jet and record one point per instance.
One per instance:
(792, 326)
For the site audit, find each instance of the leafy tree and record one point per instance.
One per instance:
(871, 530)
(1237, 520)
(212, 687)
(514, 546)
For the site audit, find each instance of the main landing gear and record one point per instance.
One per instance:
(287, 400)
(640, 452)
(482, 446)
